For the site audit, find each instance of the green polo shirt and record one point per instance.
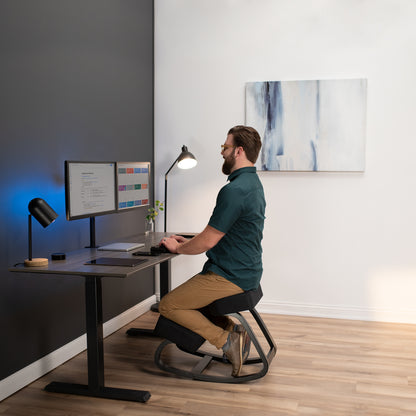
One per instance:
(239, 213)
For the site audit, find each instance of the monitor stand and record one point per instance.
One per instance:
(92, 233)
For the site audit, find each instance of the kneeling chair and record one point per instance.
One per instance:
(190, 342)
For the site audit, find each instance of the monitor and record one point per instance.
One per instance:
(90, 189)
(133, 185)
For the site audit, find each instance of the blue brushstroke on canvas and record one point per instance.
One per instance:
(272, 99)
(313, 145)
(314, 166)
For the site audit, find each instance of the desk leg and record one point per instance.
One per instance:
(165, 286)
(165, 278)
(95, 354)
(95, 346)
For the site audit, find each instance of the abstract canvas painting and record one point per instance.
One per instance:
(309, 125)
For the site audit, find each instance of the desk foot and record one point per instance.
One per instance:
(103, 392)
(155, 307)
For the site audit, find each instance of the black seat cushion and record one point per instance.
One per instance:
(236, 303)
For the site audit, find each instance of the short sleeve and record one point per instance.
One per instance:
(227, 209)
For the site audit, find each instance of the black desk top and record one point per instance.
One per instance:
(74, 262)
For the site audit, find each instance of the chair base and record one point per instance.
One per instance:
(208, 359)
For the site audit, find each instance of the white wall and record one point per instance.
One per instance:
(335, 244)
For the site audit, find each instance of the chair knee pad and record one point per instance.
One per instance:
(183, 337)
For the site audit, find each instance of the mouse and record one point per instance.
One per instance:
(159, 249)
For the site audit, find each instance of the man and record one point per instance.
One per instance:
(232, 240)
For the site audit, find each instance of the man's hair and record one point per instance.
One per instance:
(248, 139)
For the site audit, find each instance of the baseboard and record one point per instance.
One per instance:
(339, 312)
(32, 372)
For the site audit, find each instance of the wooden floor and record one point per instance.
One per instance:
(323, 367)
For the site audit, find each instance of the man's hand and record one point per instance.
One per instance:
(171, 243)
(179, 238)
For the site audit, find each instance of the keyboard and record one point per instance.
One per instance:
(154, 251)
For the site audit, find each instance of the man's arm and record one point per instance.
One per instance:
(197, 245)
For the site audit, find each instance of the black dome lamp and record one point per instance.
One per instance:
(45, 216)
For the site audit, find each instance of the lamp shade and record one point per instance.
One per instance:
(41, 210)
(186, 159)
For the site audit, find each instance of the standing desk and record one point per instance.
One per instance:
(74, 265)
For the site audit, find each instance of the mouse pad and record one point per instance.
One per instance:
(110, 261)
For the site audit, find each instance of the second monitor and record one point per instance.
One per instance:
(132, 184)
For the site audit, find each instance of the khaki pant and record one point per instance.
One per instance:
(181, 306)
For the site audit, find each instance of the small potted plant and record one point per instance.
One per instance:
(151, 216)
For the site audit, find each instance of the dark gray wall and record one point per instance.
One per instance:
(76, 82)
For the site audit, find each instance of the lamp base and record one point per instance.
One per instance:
(36, 262)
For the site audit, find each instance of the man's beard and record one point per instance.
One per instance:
(228, 165)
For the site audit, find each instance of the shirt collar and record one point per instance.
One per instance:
(248, 169)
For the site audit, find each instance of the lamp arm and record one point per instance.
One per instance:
(30, 235)
(173, 164)
(166, 192)
(166, 205)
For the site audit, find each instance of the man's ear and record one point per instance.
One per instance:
(239, 151)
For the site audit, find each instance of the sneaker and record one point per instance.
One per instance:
(234, 353)
(246, 341)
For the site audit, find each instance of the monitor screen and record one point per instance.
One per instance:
(133, 184)
(90, 189)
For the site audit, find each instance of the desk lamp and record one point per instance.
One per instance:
(45, 215)
(186, 160)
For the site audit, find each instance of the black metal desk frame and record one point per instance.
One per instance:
(94, 317)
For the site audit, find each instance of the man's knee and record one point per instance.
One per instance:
(164, 307)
